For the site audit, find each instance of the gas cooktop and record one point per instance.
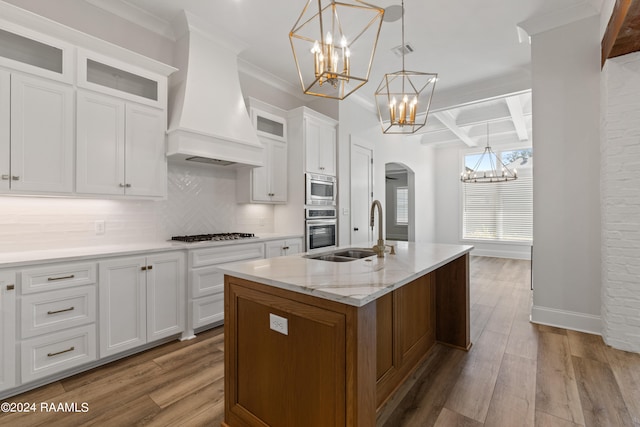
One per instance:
(214, 237)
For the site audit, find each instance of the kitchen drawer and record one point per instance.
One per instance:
(206, 281)
(57, 276)
(208, 310)
(224, 254)
(56, 310)
(49, 354)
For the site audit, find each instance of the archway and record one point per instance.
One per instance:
(400, 202)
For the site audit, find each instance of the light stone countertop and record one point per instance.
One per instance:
(45, 256)
(355, 282)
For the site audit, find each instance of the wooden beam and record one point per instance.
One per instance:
(616, 22)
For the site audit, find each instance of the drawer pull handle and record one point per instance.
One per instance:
(285, 247)
(146, 267)
(150, 267)
(5, 177)
(52, 279)
(11, 287)
(15, 178)
(61, 311)
(60, 352)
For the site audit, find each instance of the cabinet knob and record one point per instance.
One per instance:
(285, 248)
(127, 185)
(11, 287)
(5, 177)
(355, 228)
(121, 185)
(146, 267)
(15, 177)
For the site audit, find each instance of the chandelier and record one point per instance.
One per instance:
(333, 45)
(488, 168)
(403, 98)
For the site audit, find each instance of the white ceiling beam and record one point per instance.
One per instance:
(515, 109)
(447, 119)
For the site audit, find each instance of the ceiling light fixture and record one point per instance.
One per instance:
(333, 45)
(488, 168)
(404, 97)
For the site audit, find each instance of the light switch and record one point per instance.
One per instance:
(99, 227)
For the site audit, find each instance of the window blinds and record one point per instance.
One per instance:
(499, 211)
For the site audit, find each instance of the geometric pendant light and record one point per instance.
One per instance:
(333, 46)
(488, 168)
(403, 98)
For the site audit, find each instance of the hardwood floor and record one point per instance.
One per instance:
(516, 374)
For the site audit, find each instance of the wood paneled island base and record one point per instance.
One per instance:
(293, 359)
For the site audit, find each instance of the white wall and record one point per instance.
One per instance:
(201, 199)
(566, 125)
(620, 204)
(449, 206)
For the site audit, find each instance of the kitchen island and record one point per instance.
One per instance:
(320, 343)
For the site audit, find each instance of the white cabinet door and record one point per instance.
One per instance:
(165, 295)
(42, 115)
(320, 146)
(283, 247)
(146, 162)
(270, 181)
(278, 169)
(294, 246)
(122, 296)
(100, 144)
(7, 330)
(5, 134)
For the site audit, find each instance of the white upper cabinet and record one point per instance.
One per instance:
(5, 130)
(42, 114)
(121, 149)
(320, 146)
(113, 77)
(32, 52)
(113, 144)
(268, 183)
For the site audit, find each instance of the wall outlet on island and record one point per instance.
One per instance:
(99, 227)
(279, 324)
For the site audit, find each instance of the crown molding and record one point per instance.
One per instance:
(141, 17)
(559, 17)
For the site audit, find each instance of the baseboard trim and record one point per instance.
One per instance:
(501, 254)
(575, 321)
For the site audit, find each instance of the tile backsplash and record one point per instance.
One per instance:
(201, 199)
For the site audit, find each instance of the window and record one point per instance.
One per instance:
(402, 206)
(502, 211)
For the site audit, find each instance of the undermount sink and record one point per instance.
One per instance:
(343, 255)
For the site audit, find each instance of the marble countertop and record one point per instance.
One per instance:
(355, 282)
(22, 258)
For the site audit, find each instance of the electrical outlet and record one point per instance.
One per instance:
(278, 324)
(99, 227)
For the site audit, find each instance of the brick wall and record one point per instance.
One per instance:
(620, 193)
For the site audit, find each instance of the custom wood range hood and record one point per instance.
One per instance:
(208, 120)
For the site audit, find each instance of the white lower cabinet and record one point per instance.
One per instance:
(206, 282)
(51, 353)
(58, 311)
(276, 248)
(141, 300)
(7, 329)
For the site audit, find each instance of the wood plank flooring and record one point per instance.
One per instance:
(516, 374)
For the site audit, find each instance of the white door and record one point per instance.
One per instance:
(100, 144)
(7, 330)
(122, 291)
(361, 193)
(42, 140)
(165, 295)
(5, 134)
(145, 159)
